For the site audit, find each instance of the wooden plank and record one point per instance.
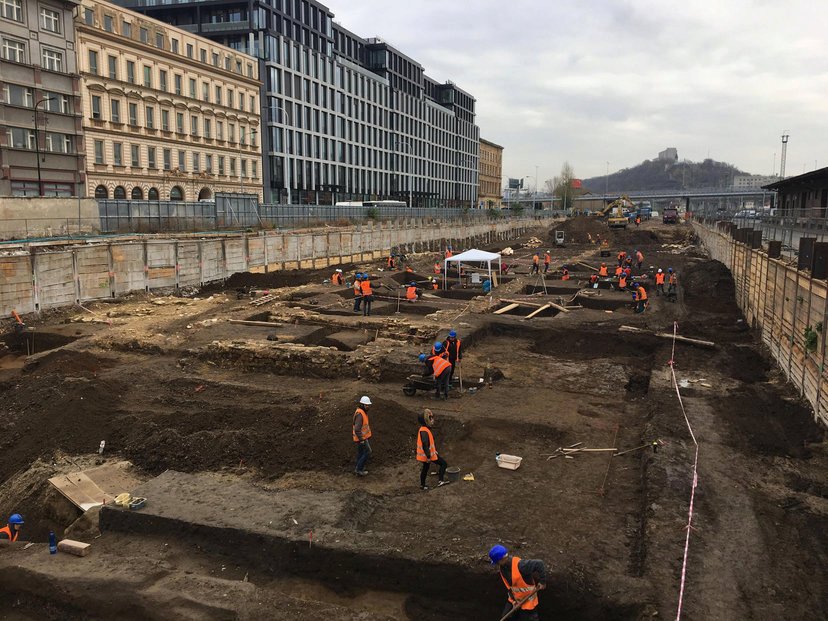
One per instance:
(538, 311)
(506, 309)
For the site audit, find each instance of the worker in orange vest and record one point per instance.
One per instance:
(440, 368)
(367, 294)
(412, 293)
(622, 281)
(390, 263)
(659, 281)
(427, 451)
(361, 434)
(672, 284)
(637, 220)
(523, 580)
(564, 273)
(640, 297)
(437, 269)
(449, 253)
(337, 278)
(593, 280)
(535, 264)
(602, 272)
(618, 271)
(621, 257)
(547, 259)
(11, 531)
(357, 291)
(434, 284)
(454, 351)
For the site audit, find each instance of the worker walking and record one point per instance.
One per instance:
(427, 451)
(640, 297)
(602, 271)
(11, 531)
(361, 434)
(535, 264)
(524, 579)
(337, 277)
(547, 259)
(639, 258)
(659, 281)
(357, 291)
(454, 350)
(672, 285)
(367, 294)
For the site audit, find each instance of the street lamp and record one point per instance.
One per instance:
(606, 183)
(287, 154)
(253, 133)
(37, 143)
(410, 171)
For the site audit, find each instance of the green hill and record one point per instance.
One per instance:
(663, 175)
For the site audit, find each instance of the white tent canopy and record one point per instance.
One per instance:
(472, 256)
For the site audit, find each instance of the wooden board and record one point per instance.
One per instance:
(90, 488)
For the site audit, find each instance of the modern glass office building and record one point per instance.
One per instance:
(343, 117)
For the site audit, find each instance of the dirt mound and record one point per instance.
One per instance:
(69, 362)
(709, 287)
(579, 229)
(274, 280)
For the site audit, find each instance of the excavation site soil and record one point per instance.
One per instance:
(230, 410)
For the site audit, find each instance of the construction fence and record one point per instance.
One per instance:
(37, 277)
(788, 307)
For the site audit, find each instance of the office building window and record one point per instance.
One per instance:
(93, 62)
(99, 152)
(132, 110)
(220, 130)
(147, 76)
(20, 138)
(153, 194)
(167, 159)
(176, 194)
(135, 155)
(130, 72)
(208, 128)
(205, 92)
(12, 9)
(101, 192)
(150, 157)
(115, 111)
(243, 168)
(119, 193)
(218, 95)
(232, 166)
(231, 132)
(96, 106)
(137, 193)
(194, 125)
(182, 160)
(221, 165)
(112, 63)
(189, 50)
(179, 122)
(159, 40)
(203, 55)
(49, 20)
(108, 23)
(18, 95)
(196, 162)
(162, 80)
(117, 153)
(149, 119)
(126, 29)
(230, 98)
(254, 168)
(174, 43)
(215, 59)
(165, 120)
(144, 35)
(208, 164)
(192, 88)
(177, 84)
(51, 59)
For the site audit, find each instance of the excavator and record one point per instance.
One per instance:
(614, 212)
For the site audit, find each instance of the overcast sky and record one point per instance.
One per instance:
(592, 81)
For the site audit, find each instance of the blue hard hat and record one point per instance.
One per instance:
(670, 269)
(438, 346)
(16, 518)
(497, 552)
(452, 334)
(412, 284)
(422, 357)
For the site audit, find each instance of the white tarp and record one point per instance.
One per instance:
(472, 256)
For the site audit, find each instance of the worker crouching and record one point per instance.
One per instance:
(523, 579)
(427, 451)
(640, 296)
(438, 366)
(11, 531)
(412, 293)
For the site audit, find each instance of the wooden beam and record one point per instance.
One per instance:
(665, 335)
(558, 307)
(263, 324)
(521, 302)
(594, 269)
(506, 309)
(538, 311)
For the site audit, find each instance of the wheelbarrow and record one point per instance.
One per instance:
(418, 382)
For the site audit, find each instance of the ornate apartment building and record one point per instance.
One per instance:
(491, 175)
(41, 142)
(167, 115)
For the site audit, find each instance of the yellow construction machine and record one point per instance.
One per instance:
(616, 212)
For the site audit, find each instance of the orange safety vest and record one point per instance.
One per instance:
(603, 271)
(358, 288)
(565, 275)
(536, 259)
(547, 259)
(411, 293)
(12, 534)
(660, 279)
(622, 281)
(519, 590)
(432, 451)
(618, 270)
(449, 254)
(366, 428)
(621, 256)
(365, 286)
(439, 364)
(435, 286)
(446, 346)
(593, 279)
(673, 279)
(642, 295)
(437, 268)
(336, 278)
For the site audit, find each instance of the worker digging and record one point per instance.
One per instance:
(427, 451)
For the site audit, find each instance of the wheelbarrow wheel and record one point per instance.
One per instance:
(409, 390)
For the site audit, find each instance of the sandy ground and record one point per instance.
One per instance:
(171, 384)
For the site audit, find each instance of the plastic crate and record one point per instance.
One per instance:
(509, 462)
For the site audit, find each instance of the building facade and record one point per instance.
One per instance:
(670, 154)
(803, 196)
(345, 117)
(41, 139)
(751, 182)
(167, 115)
(491, 173)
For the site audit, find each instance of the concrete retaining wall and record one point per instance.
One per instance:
(51, 276)
(22, 218)
(782, 304)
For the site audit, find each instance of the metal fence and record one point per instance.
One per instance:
(241, 211)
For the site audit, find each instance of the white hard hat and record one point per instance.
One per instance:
(365, 400)
(659, 270)
(339, 270)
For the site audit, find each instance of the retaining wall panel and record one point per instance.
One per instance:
(17, 292)
(92, 265)
(55, 279)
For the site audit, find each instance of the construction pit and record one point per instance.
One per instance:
(230, 410)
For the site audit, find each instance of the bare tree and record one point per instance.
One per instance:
(562, 185)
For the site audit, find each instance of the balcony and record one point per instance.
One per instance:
(226, 27)
(188, 27)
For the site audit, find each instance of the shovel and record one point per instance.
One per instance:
(460, 373)
(519, 604)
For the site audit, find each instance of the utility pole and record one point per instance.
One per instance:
(784, 154)
(37, 144)
(606, 184)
